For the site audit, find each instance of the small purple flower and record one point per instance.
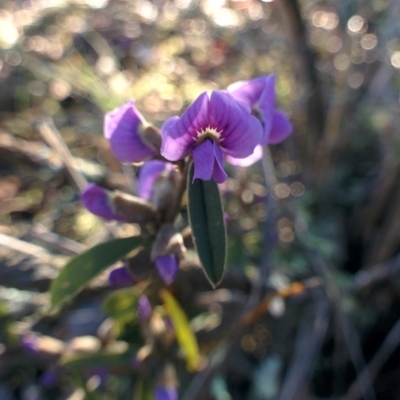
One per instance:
(98, 201)
(120, 277)
(49, 379)
(165, 393)
(144, 307)
(213, 126)
(260, 93)
(148, 175)
(122, 127)
(167, 267)
(30, 343)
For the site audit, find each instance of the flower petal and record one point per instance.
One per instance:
(250, 160)
(266, 105)
(121, 128)
(240, 132)
(167, 267)
(248, 92)
(179, 134)
(148, 174)
(97, 201)
(219, 174)
(281, 127)
(203, 158)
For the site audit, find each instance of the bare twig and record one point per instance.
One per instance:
(349, 332)
(370, 372)
(22, 246)
(60, 243)
(52, 136)
(308, 346)
(371, 276)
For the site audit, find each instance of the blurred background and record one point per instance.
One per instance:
(331, 216)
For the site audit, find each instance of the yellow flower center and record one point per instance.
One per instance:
(208, 133)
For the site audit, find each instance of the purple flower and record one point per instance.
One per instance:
(150, 172)
(213, 126)
(98, 201)
(144, 307)
(260, 93)
(30, 343)
(165, 393)
(120, 277)
(123, 127)
(167, 267)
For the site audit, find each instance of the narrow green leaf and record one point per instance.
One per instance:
(184, 334)
(208, 226)
(144, 389)
(81, 269)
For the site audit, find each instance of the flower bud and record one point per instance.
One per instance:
(144, 307)
(49, 379)
(167, 267)
(99, 202)
(157, 182)
(166, 389)
(120, 276)
(134, 208)
(166, 393)
(167, 250)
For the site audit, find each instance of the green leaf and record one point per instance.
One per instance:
(184, 334)
(83, 268)
(206, 219)
(122, 304)
(144, 389)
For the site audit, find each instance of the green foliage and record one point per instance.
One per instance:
(208, 226)
(122, 304)
(104, 358)
(79, 271)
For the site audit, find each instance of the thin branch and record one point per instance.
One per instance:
(349, 332)
(53, 137)
(370, 372)
(309, 342)
(22, 247)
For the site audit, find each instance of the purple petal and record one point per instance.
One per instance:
(248, 92)
(49, 379)
(120, 277)
(219, 174)
(240, 132)
(281, 128)
(266, 105)
(144, 307)
(203, 158)
(121, 128)
(179, 135)
(167, 267)
(97, 201)
(166, 393)
(148, 174)
(250, 160)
